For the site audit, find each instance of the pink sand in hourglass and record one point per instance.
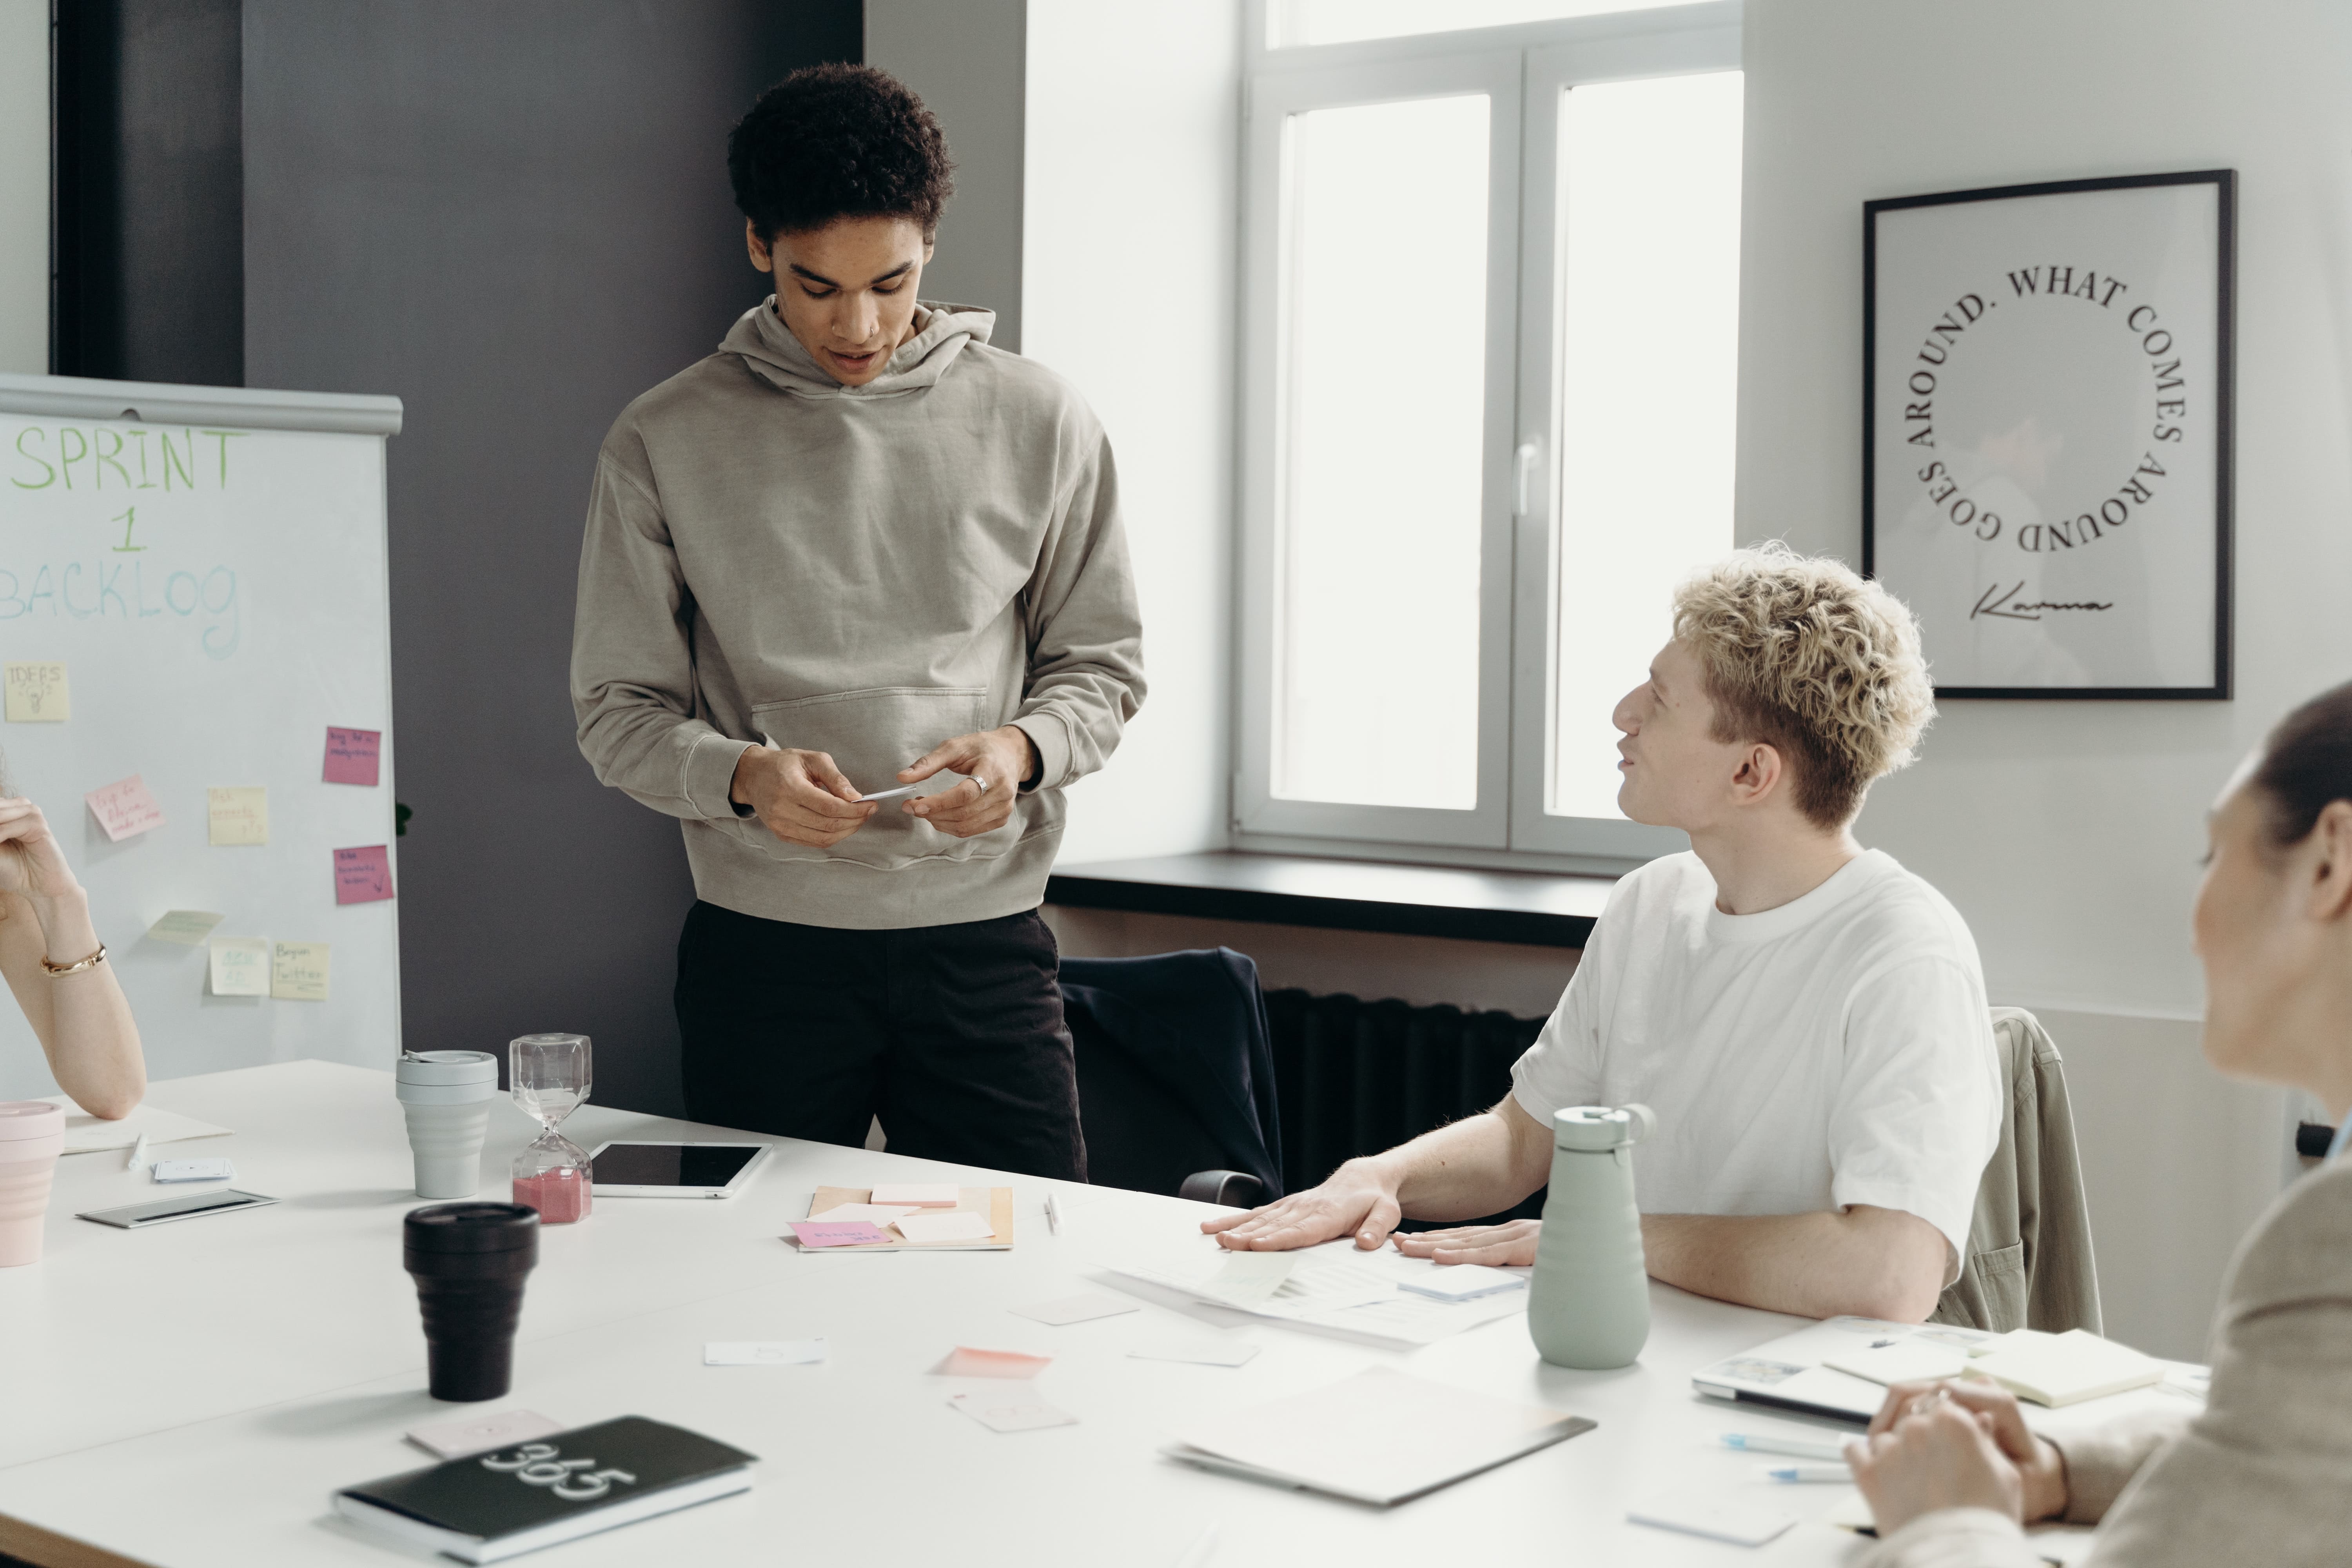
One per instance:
(559, 1196)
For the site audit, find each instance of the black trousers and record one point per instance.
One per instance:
(952, 1035)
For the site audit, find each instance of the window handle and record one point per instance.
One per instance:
(1525, 463)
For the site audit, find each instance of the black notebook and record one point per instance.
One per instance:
(487, 1507)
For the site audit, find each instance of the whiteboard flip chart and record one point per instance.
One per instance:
(208, 565)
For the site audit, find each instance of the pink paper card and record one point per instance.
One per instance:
(351, 755)
(976, 1361)
(363, 876)
(124, 807)
(842, 1233)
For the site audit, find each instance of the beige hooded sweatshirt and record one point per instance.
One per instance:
(863, 571)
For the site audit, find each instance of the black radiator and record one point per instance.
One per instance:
(1355, 1078)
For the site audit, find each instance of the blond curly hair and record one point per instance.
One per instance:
(1806, 656)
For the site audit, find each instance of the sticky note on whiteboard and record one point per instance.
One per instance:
(354, 756)
(124, 807)
(240, 967)
(187, 927)
(237, 815)
(37, 692)
(363, 876)
(297, 971)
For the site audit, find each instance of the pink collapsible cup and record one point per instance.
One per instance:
(32, 1136)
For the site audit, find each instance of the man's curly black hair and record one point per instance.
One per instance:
(838, 140)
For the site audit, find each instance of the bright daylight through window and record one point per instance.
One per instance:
(1384, 305)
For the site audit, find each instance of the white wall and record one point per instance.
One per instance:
(966, 59)
(25, 186)
(1130, 264)
(2068, 833)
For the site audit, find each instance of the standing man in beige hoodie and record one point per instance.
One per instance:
(856, 549)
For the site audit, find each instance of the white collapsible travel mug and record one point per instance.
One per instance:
(446, 1095)
(32, 1136)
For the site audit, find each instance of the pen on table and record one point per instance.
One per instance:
(1052, 1213)
(1792, 1473)
(1802, 1447)
(137, 1161)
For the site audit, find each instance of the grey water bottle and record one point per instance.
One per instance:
(1589, 1302)
(446, 1096)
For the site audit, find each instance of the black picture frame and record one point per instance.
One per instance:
(2225, 181)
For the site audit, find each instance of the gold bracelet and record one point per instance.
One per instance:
(93, 961)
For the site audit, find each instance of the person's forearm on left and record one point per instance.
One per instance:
(1868, 1262)
(91, 1040)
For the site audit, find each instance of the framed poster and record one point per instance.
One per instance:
(2046, 432)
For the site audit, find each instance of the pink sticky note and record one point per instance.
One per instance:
(840, 1233)
(352, 756)
(124, 807)
(363, 876)
(977, 1361)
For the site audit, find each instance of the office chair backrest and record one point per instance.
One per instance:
(1175, 1074)
(2030, 1264)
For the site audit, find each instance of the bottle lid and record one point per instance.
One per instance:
(446, 1067)
(470, 1227)
(1601, 1127)
(30, 1119)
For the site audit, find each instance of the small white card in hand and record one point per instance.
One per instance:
(480, 1434)
(1002, 1414)
(917, 1194)
(763, 1352)
(872, 1214)
(901, 792)
(1077, 1308)
(217, 1169)
(961, 1224)
(1201, 1352)
(1463, 1282)
(1742, 1524)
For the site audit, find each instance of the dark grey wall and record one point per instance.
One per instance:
(150, 248)
(515, 218)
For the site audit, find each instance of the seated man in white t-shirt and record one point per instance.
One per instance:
(1806, 1017)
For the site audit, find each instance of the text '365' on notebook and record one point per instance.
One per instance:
(1381, 1436)
(489, 1507)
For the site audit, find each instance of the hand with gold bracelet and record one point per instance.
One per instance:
(57, 969)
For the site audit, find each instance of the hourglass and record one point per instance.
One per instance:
(550, 1077)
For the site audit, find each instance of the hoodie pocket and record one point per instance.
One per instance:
(871, 734)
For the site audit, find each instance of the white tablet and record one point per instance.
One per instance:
(674, 1170)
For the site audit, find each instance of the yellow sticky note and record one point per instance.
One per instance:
(37, 693)
(297, 972)
(239, 815)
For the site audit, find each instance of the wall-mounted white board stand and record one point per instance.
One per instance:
(208, 565)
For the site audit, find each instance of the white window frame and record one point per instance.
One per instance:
(1524, 69)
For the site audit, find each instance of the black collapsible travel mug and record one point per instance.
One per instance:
(470, 1261)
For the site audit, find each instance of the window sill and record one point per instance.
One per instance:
(1533, 908)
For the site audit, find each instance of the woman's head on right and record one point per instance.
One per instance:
(2273, 920)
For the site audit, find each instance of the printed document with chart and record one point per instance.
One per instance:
(1332, 1287)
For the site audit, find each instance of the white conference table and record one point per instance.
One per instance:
(191, 1395)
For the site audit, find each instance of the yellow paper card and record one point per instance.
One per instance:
(297, 972)
(37, 693)
(238, 814)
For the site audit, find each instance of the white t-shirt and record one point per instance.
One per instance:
(1835, 1050)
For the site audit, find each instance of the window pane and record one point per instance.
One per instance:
(1294, 22)
(1649, 351)
(1383, 313)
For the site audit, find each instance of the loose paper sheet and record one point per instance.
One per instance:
(354, 756)
(240, 967)
(124, 807)
(187, 927)
(918, 1194)
(872, 1214)
(238, 814)
(479, 1435)
(950, 1224)
(363, 876)
(999, 1415)
(37, 693)
(297, 971)
(1078, 1309)
(86, 1135)
(1201, 1350)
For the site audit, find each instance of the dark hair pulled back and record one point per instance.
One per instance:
(2306, 763)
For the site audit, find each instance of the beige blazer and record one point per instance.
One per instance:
(2265, 1475)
